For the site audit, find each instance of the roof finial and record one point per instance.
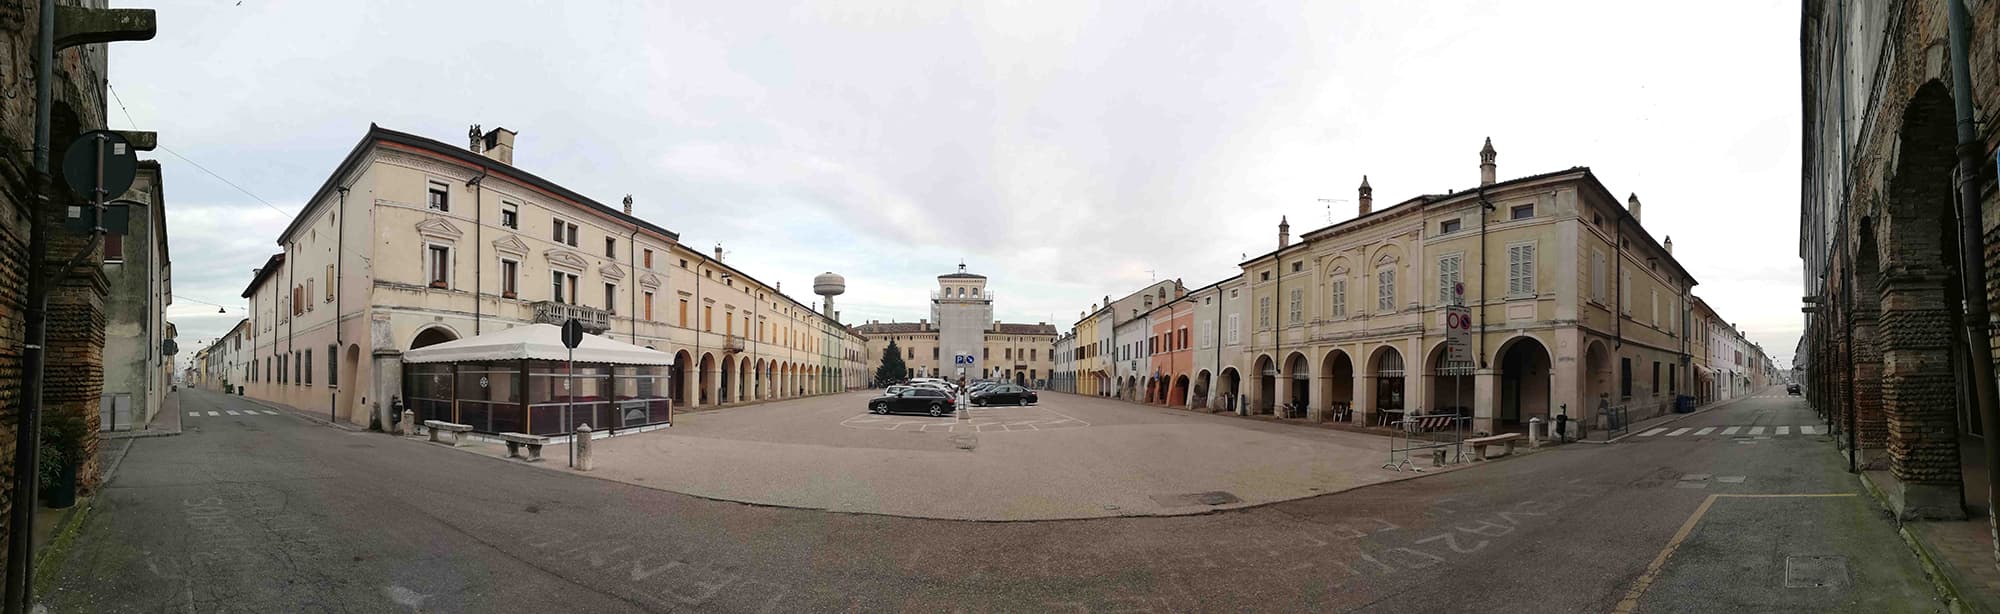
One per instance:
(961, 265)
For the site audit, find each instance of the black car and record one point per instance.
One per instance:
(1004, 394)
(917, 399)
(1792, 388)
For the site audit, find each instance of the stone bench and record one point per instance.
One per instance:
(457, 431)
(1479, 444)
(516, 441)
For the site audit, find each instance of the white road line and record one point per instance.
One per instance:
(231, 412)
(1756, 430)
(1653, 432)
(214, 414)
(1705, 431)
(1784, 430)
(270, 412)
(1679, 432)
(1731, 430)
(1808, 430)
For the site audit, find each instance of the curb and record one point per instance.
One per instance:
(1941, 582)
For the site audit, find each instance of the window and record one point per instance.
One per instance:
(649, 306)
(708, 318)
(934, 353)
(1451, 271)
(649, 259)
(611, 298)
(1232, 293)
(1625, 292)
(298, 302)
(510, 273)
(564, 288)
(1385, 290)
(1655, 295)
(1032, 354)
(684, 313)
(1184, 339)
(1235, 328)
(440, 196)
(565, 233)
(1598, 219)
(329, 286)
(440, 266)
(1448, 226)
(1264, 276)
(1673, 380)
(1521, 270)
(1263, 312)
(1624, 378)
(114, 247)
(510, 215)
(1008, 353)
(1521, 212)
(307, 298)
(1296, 312)
(332, 366)
(684, 263)
(610, 247)
(307, 367)
(1337, 303)
(1298, 266)
(1656, 378)
(1597, 277)
(986, 354)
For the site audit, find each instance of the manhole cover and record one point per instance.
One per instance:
(1216, 497)
(965, 442)
(1815, 571)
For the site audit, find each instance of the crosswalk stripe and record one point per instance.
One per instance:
(231, 412)
(269, 412)
(1784, 430)
(214, 414)
(1678, 432)
(1705, 431)
(1756, 430)
(1731, 430)
(1808, 430)
(1653, 432)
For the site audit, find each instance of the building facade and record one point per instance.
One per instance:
(961, 338)
(412, 242)
(137, 368)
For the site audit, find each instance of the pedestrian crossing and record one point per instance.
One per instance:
(1738, 431)
(231, 412)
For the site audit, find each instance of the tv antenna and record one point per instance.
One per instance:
(1329, 207)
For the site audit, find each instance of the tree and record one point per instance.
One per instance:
(892, 368)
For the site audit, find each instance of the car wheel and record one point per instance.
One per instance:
(937, 410)
(880, 408)
(979, 402)
(1024, 401)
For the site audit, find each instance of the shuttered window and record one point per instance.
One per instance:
(1521, 269)
(1385, 290)
(1450, 273)
(1337, 303)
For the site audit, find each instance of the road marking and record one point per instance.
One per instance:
(1705, 431)
(1783, 430)
(214, 414)
(1631, 601)
(1808, 430)
(1678, 432)
(1731, 430)
(231, 412)
(1653, 432)
(1756, 430)
(270, 412)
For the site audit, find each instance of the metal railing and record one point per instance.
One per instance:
(1442, 433)
(593, 319)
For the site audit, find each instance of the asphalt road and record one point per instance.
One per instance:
(267, 513)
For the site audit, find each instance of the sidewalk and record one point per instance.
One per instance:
(1957, 553)
(167, 422)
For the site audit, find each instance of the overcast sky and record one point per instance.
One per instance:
(1066, 149)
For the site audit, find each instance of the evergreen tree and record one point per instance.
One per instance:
(892, 369)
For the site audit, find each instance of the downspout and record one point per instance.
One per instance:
(1978, 319)
(632, 295)
(478, 260)
(339, 258)
(1853, 452)
(1484, 207)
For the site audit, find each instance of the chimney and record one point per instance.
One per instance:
(1367, 196)
(628, 204)
(1284, 232)
(1486, 167)
(499, 145)
(476, 137)
(925, 322)
(836, 316)
(1670, 245)
(1632, 205)
(718, 252)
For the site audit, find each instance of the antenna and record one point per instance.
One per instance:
(1329, 207)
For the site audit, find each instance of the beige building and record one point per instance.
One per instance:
(412, 242)
(1021, 353)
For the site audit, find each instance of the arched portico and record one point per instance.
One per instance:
(1295, 387)
(1384, 384)
(1229, 391)
(1265, 400)
(1336, 372)
(1527, 384)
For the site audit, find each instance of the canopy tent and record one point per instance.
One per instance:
(537, 342)
(521, 380)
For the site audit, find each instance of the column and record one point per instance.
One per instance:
(1485, 399)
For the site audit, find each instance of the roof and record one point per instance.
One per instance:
(1024, 329)
(961, 276)
(536, 342)
(459, 154)
(264, 272)
(880, 328)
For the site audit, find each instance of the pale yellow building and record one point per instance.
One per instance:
(412, 242)
(1021, 353)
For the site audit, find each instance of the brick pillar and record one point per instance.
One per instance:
(1920, 397)
(1871, 426)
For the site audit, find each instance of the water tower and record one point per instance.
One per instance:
(829, 285)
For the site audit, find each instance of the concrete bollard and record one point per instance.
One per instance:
(408, 425)
(1535, 432)
(582, 443)
(1437, 457)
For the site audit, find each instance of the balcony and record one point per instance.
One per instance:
(594, 320)
(732, 345)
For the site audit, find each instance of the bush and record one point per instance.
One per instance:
(63, 437)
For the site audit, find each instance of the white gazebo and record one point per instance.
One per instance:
(520, 380)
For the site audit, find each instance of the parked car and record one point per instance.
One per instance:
(1005, 394)
(1792, 389)
(892, 390)
(915, 400)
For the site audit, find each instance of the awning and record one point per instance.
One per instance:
(537, 342)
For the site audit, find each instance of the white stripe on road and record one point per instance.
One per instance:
(1808, 430)
(214, 414)
(1784, 430)
(1705, 431)
(269, 412)
(1678, 432)
(1653, 432)
(231, 412)
(1731, 430)
(1756, 430)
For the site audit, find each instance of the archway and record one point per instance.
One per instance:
(1020, 379)
(1450, 383)
(1229, 389)
(679, 386)
(1597, 375)
(745, 388)
(1524, 382)
(760, 381)
(347, 398)
(1298, 384)
(1267, 385)
(433, 335)
(1336, 372)
(1177, 395)
(705, 391)
(1202, 384)
(726, 393)
(1385, 378)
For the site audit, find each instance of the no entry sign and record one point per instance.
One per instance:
(1458, 333)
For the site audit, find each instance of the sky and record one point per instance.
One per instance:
(1067, 150)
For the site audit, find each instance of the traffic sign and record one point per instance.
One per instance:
(100, 155)
(572, 333)
(1458, 333)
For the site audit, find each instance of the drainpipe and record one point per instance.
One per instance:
(1978, 320)
(632, 295)
(478, 261)
(1484, 207)
(339, 256)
